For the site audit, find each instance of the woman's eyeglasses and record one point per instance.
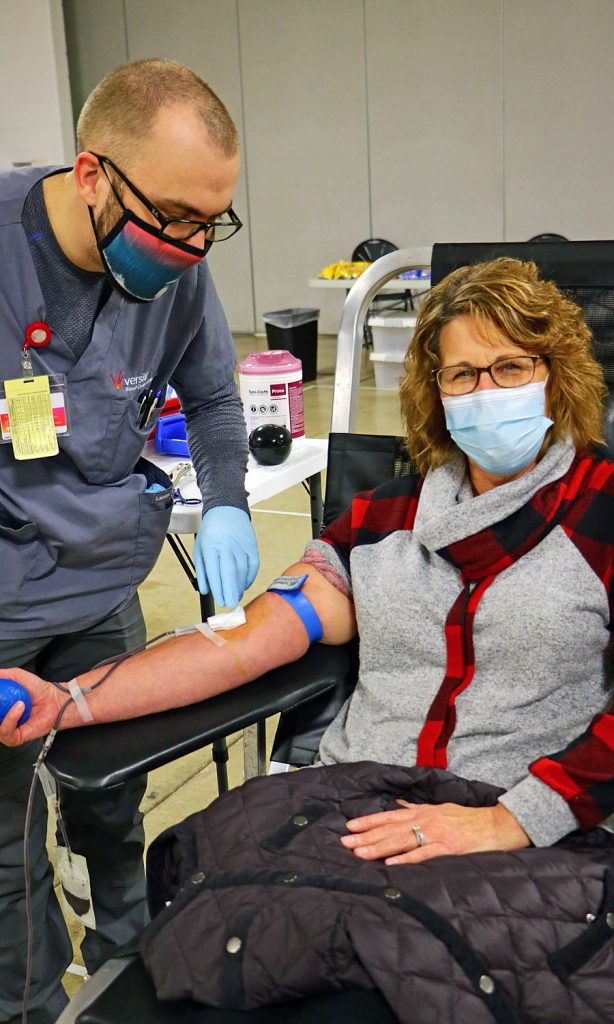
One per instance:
(506, 373)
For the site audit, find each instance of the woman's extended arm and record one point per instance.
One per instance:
(189, 668)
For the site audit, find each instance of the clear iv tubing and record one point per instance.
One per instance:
(46, 747)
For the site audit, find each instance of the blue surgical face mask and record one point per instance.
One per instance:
(500, 429)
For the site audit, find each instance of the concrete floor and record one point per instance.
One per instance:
(168, 600)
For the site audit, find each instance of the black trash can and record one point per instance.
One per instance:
(295, 330)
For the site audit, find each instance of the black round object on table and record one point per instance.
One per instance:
(270, 444)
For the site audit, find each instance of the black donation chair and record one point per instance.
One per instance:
(369, 251)
(310, 691)
(548, 236)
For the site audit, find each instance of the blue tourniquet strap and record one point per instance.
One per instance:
(305, 611)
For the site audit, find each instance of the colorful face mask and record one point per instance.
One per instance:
(142, 262)
(500, 429)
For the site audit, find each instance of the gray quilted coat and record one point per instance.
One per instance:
(266, 905)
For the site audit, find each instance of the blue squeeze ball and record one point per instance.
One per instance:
(10, 693)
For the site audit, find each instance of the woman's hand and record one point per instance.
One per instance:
(394, 836)
(46, 702)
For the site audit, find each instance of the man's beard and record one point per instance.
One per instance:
(104, 221)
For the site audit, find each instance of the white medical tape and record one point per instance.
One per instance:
(80, 702)
(206, 630)
(203, 629)
(224, 620)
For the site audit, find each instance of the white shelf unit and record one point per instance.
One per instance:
(391, 331)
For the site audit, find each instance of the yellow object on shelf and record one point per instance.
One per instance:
(343, 270)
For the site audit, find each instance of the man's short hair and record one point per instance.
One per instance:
(120, 111)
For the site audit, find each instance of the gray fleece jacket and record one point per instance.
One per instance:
(540, 634)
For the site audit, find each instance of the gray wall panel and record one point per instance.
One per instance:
(416, 120)
(305, 115)
(95, 43)
(434, 74)
(559, 97)
(203, 34)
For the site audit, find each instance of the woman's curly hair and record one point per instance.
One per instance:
(534, 315)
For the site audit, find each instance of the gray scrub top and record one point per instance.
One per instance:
(78, 533)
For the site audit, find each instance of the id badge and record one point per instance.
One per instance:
(33, 414)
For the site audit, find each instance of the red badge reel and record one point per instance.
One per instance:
(38, 334)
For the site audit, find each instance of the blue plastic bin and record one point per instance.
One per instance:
(171, 436)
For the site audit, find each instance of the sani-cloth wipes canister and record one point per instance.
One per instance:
(271, 388)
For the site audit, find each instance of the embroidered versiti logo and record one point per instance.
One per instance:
(128, 384)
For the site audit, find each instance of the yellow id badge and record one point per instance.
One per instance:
(31, 415)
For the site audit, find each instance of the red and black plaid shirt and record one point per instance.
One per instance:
(582, 504)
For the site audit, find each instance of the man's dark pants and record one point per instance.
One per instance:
(106, 828)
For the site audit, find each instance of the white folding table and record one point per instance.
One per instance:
(397, 284)
(304, 464)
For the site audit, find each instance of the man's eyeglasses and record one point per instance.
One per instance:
(179, 229)
(506, 373)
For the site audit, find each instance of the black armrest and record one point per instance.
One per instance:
(300, 728)
(107, 755)
(122, 991)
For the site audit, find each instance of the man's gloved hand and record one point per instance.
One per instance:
(226, 554)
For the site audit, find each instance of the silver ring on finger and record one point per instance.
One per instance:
(419, 834)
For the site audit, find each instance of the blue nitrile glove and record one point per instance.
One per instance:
(226, 554)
